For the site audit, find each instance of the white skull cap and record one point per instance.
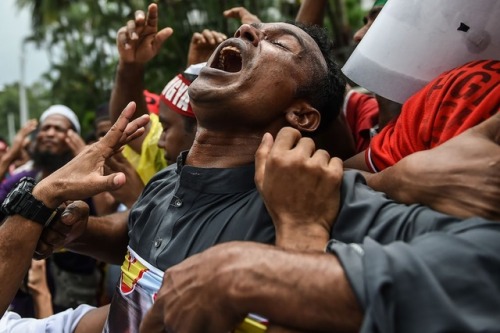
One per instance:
(64, 111)
(195, 69)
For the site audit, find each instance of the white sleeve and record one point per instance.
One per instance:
(63, 322)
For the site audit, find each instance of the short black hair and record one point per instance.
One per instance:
(325, 92)
(101, 113)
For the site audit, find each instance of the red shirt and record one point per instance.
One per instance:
(453, 102)
(361, 113)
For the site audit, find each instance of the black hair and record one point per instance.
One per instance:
(325, 92)
(101, 113)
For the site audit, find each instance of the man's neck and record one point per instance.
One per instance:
(222, 150)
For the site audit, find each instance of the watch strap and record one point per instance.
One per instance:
(40, 213)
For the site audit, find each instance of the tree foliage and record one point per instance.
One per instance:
(37, 99)
(80, 39)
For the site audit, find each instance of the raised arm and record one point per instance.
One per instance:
(311, 12)
(138, 42)
(202, 45)
(17, 145)
(242, 14)
(80, 178)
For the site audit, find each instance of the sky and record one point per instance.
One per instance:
(14, 27)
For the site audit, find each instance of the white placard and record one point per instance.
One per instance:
(413, 41)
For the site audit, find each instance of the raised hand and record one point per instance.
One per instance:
(22, 134)
(20, 141)
(300, 187)
(130, 191)
(203, 45)
(75, 142)
(84, 175)
(242, 14)
(140, 41)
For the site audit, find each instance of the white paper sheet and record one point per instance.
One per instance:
(413, 41)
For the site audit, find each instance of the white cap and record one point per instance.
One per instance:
(62, 110)
(195, 69)
(413, 41)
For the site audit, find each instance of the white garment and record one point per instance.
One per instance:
(63, 322)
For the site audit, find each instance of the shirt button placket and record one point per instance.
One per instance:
(178, 203)
(158, 242)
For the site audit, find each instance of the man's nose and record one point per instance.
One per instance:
(51, 131)
(250, 33)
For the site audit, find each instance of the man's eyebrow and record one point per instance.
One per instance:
(284, 30)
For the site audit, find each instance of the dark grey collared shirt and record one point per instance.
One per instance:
(416, 270)
(184, 210)
(411, 268)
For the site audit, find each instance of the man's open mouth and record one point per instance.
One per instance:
(229, 60)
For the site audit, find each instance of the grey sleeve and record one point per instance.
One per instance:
(365, 212)
(438, 282)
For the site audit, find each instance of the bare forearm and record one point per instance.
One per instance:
(105, 238)
(42, 303)
(313, 295)
(443, 192)
(93, 321)
(406, 186)
(357, 162)
(311, 12)
(18, 239)
(7, 159)
(4, 167)
(128, 86)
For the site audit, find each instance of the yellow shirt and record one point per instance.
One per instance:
(152, 159)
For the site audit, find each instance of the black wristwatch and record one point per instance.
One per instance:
(20, 201)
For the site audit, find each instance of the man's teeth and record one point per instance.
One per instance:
(226, 50)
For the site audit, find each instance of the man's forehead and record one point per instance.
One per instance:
(56, 118)
(287, 28)
(307, 43)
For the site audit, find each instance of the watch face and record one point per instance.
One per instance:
(11, 204)
(21, 201)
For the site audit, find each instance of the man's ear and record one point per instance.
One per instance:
(303, 116)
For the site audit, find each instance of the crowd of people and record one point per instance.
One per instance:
(259, 191)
